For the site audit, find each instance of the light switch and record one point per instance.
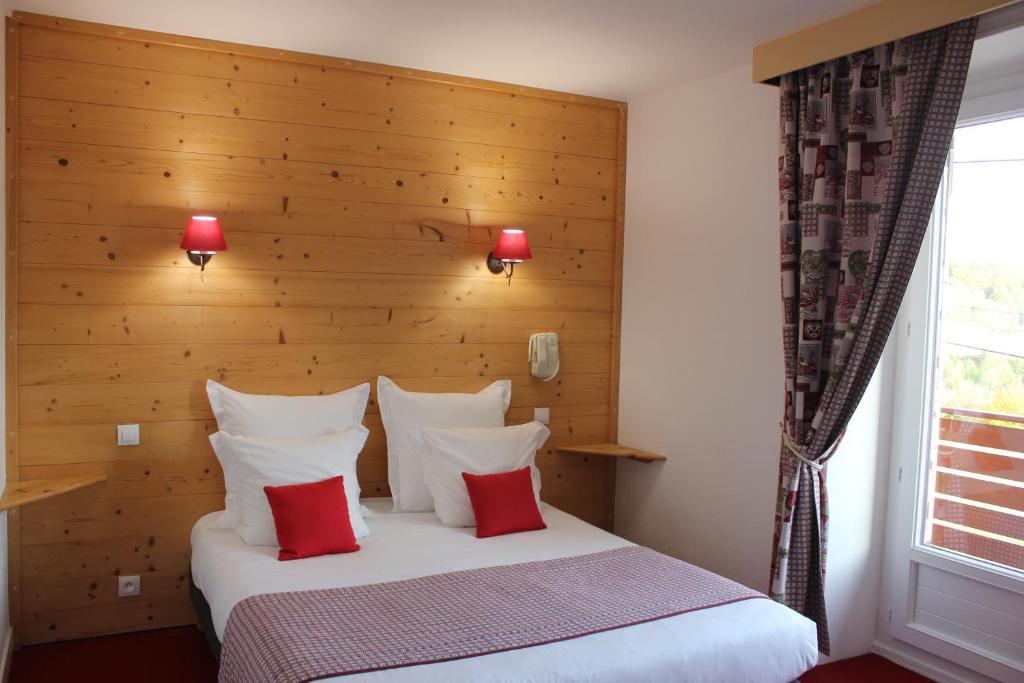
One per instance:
(127, 435)
(542, 415)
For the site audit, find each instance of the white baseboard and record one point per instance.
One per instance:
(929, 669)
(6, 655)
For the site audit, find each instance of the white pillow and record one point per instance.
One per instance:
(405, 413)
(261, 415)
(257, 462)
(476, 450)
(284, 416)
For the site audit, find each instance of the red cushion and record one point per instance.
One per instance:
(311, 519)
(503, 503)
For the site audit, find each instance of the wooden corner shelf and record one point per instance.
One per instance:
(18, 493)
(612, 450)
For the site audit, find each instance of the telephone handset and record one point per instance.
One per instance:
(544, 355)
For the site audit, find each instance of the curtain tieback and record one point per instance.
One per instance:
(797, 451)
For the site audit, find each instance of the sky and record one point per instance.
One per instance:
(986, 224)
(986, 210)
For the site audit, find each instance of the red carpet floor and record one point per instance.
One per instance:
(178, 655)
(862, 669)
(173, 655)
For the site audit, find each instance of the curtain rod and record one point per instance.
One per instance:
(879, 23)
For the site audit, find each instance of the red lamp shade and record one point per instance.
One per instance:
(203, 235)
(512, 246)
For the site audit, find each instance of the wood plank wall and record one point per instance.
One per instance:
(358, 202)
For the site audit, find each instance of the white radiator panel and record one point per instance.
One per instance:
(977, 616)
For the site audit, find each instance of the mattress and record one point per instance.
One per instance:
(752, 640)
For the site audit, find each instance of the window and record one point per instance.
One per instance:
(975, 502)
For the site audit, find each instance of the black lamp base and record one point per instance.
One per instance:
(495, 265)
(199, 259)
(498, 267)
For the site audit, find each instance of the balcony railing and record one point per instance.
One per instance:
(978, 486)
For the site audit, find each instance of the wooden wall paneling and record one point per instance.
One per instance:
(11, 196)
(101, 84)
(616, 333)
(232, 64)
(169, 131)
(145, 324)
(46, 243)
(279, 213)
(61, 162)
(481, 87)
(358, 201)
(243, 63)
(105, 284)
(125, 364)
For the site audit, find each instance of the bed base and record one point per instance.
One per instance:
(205, 616)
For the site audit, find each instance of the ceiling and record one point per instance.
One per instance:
(620, 49)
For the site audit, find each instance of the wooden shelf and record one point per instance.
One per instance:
(612, 450)
(18, 493)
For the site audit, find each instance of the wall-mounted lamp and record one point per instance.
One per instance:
(512, 248)
(203, 238)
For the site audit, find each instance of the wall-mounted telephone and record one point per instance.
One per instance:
(544, 355)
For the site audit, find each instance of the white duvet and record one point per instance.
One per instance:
(749, 641)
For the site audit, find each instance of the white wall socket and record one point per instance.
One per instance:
(129, 586)
(542, 415)
(127, 435)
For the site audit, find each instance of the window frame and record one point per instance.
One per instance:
(916, 340)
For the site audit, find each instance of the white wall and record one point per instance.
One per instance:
(701, 361)
(701, 364)
(858, 485)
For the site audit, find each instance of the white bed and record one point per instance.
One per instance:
(753, 640)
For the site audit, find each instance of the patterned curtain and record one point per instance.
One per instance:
(863, 142)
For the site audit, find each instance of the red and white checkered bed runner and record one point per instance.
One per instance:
(311, 635)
